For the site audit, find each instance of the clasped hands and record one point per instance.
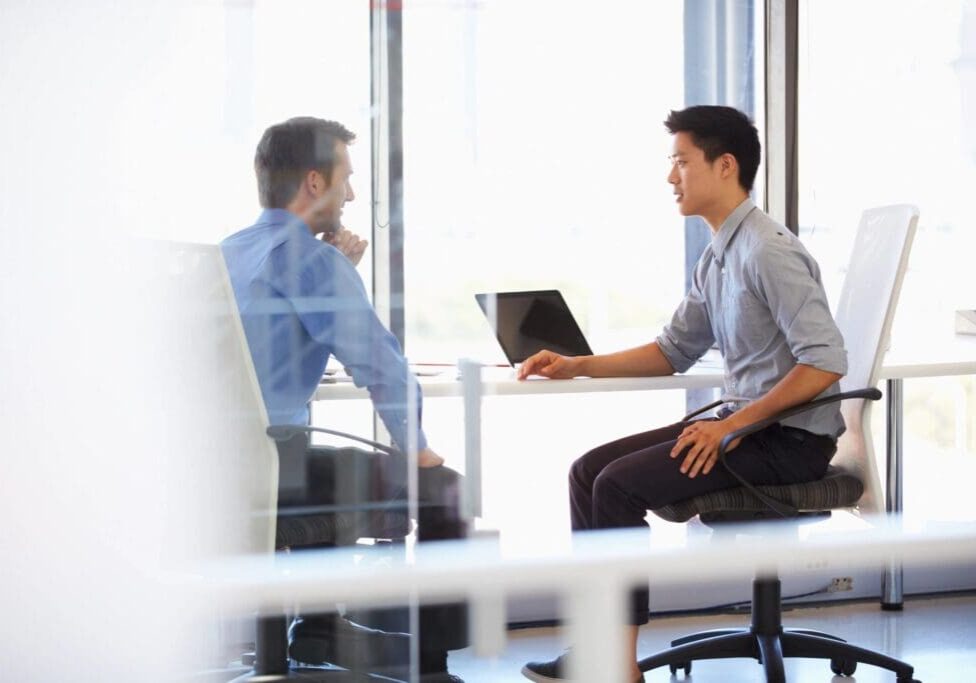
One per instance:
(699, 442)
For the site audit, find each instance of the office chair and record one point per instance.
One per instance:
(348, 651)
(864, 316)
(247, 458)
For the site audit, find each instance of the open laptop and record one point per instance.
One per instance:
(527, 322)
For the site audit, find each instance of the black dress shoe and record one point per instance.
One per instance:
(554, 670)
(541, 672)
(332, 639)
(440, 677)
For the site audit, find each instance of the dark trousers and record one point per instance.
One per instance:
(614, 485)
(344, 479)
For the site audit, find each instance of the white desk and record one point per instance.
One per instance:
(502, 382)
(948, 356)
(954, 355)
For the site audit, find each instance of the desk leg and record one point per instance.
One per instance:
(891, 582)
(471, 503)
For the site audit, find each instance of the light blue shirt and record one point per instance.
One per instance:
(757, 292)
(302, 301)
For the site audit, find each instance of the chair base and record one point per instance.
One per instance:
(769, 643)
(314, 675)
(272, 665)
(770, 650)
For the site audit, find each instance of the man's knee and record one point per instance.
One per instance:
(581, 472)
(609, 484)
(440, 485)
(439, 514)
(620, 485)
(615, 502)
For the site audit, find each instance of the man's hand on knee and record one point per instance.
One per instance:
(699, 442)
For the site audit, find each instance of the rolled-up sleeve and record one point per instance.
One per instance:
(689, 334)
(788, 280)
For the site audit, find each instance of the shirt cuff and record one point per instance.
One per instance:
(400, 435)
(679, 361)
(421, 440)
(826, 358)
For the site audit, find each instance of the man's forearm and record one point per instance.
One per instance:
(801, 384)
(642, 361)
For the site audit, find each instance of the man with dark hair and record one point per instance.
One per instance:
(717, 131)
(301, 302)
(757, 293)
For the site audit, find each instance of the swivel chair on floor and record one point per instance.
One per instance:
(865, 312)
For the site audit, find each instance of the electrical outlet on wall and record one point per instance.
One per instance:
(842, 583)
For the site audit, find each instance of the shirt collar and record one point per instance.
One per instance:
(721, 239)
(282, 217)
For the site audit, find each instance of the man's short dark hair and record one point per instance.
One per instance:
(289, 150)
(721, 130)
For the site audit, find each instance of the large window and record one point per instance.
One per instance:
(886, 117)
(535, 157)
(163, 105)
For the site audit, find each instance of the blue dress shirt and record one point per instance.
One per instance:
(302, 301)
(757, 293)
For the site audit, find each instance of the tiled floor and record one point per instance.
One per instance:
(936, 635)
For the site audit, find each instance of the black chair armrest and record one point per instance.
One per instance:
(779, 507)
(870, 394)
(703, 409)
(285, 432)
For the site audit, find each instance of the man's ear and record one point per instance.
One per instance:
(729, 166)
(316, 183)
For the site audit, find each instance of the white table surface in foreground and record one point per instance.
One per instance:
(451, 569)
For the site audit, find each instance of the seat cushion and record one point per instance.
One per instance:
(837, 489)
(340, 528)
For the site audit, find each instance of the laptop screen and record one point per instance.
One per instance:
(527, 322)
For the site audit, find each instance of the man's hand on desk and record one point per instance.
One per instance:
(428, 458)
(348, 243)
(551, 365)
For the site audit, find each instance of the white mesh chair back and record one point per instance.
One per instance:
(864, 315)
(219, 411)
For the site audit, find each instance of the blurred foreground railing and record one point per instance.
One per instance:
(593, 579)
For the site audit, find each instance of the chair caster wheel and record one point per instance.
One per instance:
(685, 666)
(908, 680)
(843, 667)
